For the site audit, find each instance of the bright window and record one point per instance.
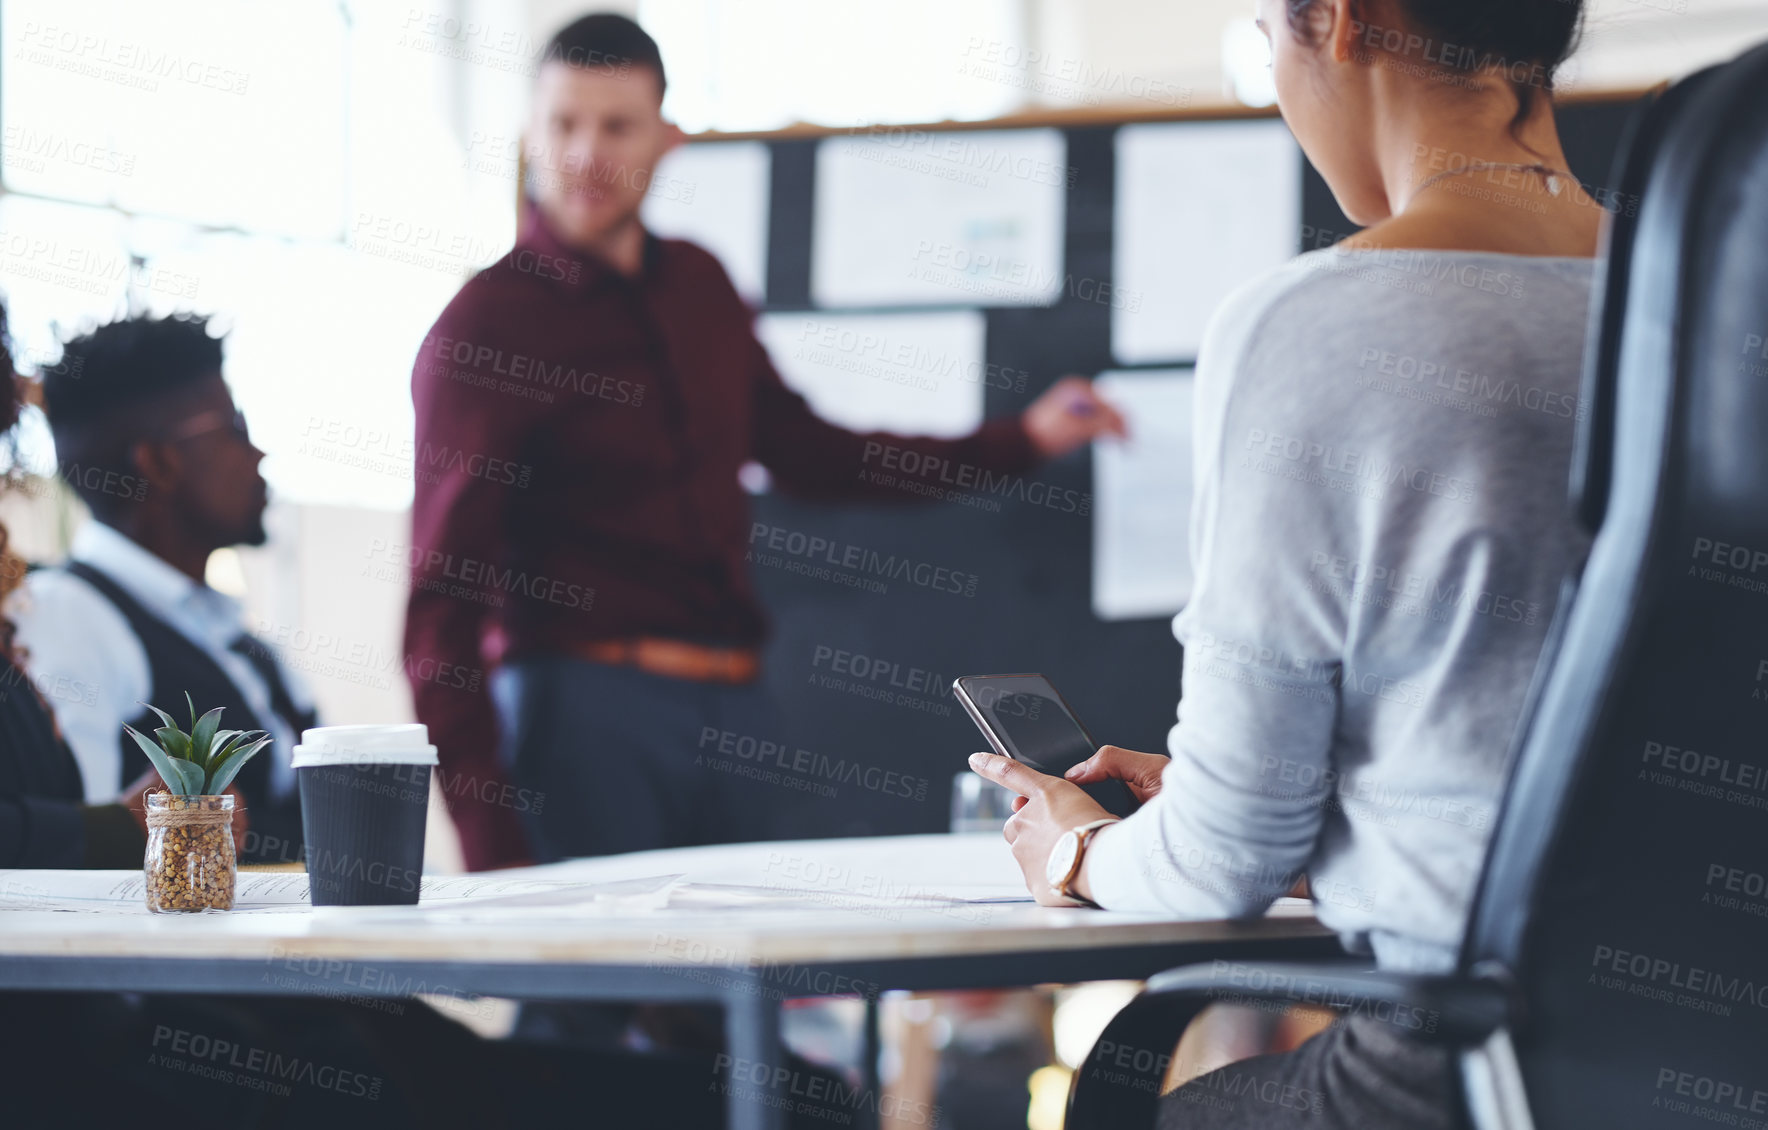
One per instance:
(303, 171)
(208, 110)
(763, 64)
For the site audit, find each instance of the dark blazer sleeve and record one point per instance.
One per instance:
(40, 791)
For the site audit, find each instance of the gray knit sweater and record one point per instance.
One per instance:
(1380, 532)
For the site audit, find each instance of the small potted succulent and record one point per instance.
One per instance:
(190, 864)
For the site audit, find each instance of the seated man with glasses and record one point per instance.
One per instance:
(148, 436)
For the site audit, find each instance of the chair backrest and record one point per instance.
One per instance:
(1626, 890)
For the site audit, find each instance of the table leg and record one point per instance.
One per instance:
(870, 1047)
(752, 1032)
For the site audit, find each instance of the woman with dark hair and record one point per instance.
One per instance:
(1383, 443)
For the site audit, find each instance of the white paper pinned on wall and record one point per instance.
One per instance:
(1142, 492)
(919, 374)
(716, 194)
(917, 218)
(1201, 208)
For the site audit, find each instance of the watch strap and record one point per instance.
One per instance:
(1085, 834)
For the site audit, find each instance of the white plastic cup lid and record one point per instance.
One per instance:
(365, 745)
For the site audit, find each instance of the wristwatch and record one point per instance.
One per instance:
(1065, 859)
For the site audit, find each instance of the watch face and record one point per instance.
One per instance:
(1062, 859)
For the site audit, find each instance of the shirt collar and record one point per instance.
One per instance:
(568, 266)
(159, 587)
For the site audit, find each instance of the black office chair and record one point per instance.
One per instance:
(1615, 968)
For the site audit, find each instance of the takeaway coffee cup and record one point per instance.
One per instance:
(365, 792)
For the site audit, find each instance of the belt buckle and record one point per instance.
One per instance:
(680, 659)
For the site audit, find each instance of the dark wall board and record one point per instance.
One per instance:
(864, 676)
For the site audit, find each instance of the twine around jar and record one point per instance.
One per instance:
(181, 812)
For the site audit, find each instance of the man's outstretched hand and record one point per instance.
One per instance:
(1070, 413)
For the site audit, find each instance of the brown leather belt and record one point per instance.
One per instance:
(675, 659)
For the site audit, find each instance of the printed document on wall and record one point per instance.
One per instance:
(1201, 208)
(715, 193)
(945, 218)
(1142, 498)
(915, 373)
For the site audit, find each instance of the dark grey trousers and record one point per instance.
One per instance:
(629, 761)
(1358, 1075)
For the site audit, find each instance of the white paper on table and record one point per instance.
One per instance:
(921, 373)
(487, 885)
(1142, 490)
(918, 218)
(125, 892)
(731, 896)
(1202, 207)
(969, 869)
(975, 867)
(261, 892)
(559, 900)
(716, 194)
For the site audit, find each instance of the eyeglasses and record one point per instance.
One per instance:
(212, 421)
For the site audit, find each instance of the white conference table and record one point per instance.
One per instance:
(746, 926)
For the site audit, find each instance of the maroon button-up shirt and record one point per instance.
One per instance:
(579, 434)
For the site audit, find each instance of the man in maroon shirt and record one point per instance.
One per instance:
(584, 406)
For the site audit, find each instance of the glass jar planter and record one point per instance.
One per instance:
(190, 864)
